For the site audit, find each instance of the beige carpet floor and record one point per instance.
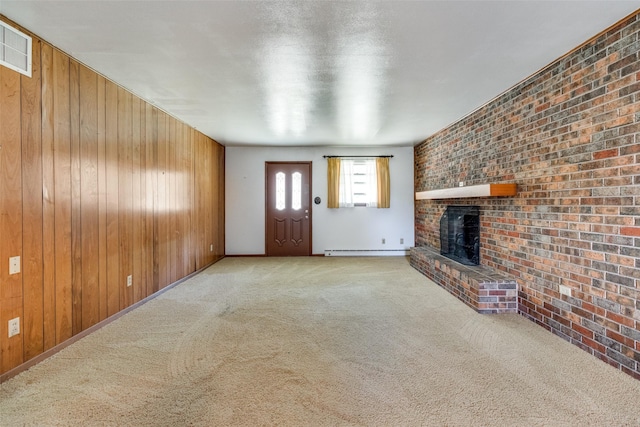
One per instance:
(318, 342)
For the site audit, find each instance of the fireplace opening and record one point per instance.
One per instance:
(460, 234)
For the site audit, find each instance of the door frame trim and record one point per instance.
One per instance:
(266, 201)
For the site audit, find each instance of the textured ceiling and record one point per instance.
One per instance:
(341, 73)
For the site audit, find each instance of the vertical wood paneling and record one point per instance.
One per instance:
(76, 231)
(204, 189)
(201, 177)
(179, 210)
(181, 189)
(136, 183)
(211, 173)
(48, 198)
(32, 219)
(218, 220)
(125, 195)
(102, 197)
(11, 296)
(187, 184)
(152, 198)
(187, 178)
(193, 249)
(213, 202)
(171, 199)
(158, 234)
(111, 186)
(95, 185)
(204, 208)
(208, 225)
(89, 200)
(62, 184)
(144, 207)
(197, 170)
(163, 229)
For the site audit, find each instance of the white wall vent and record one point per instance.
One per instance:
(15, 49)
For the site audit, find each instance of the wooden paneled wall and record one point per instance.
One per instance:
(95, 185)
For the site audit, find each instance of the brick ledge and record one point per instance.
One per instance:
(480, 287)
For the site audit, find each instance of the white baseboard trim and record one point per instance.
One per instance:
(366, 252)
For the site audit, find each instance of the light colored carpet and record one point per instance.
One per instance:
(318, 342)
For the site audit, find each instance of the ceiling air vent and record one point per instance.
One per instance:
(15, 49)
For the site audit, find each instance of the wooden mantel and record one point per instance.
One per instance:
(483, 190)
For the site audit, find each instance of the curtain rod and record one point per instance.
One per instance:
(348, 157)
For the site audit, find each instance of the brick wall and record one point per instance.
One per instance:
(570, 137)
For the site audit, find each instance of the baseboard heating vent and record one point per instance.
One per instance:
(15, 49)
(366, 252)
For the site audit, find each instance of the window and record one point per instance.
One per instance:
(280, 191)
(296, 191)
(358, 184)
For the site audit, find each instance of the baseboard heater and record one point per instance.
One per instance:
(366, 252)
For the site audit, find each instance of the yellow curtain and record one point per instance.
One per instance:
(333, 182)
(384, 187)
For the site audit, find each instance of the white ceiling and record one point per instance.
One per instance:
(341, 73)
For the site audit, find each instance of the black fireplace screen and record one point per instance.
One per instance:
(460, 234)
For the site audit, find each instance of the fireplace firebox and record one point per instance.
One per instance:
(460, 234)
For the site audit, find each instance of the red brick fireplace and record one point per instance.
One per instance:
(569, 137)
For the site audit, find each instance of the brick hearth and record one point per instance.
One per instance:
(482, 288)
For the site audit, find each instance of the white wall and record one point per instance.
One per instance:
(344, 228)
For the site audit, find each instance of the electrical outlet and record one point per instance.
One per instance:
(14, 327)
(211, 248)
(384, 241)
(129, 280)
(14, 265)
(401, 241)
(461, 184)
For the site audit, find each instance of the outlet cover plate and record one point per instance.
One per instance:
(14, 265)
(129, 280)
(14, 327)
